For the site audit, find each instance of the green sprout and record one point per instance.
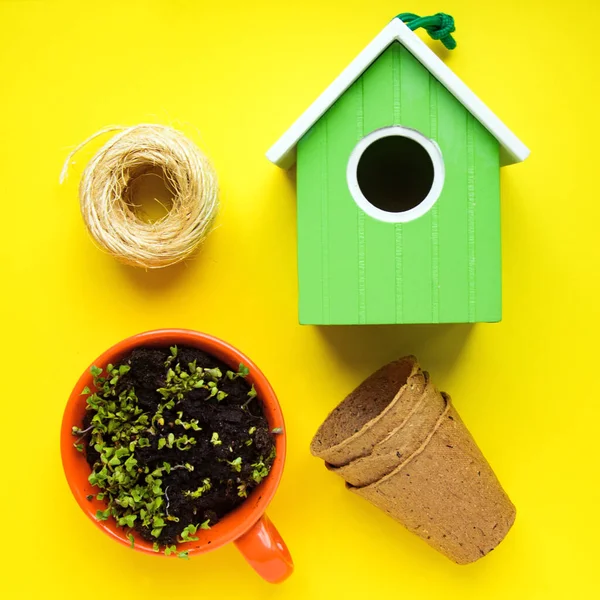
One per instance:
(192, 424)
(251, 396)
(184, 442)
(157, 525)
(236, 464)
(243, 371)
(205, 487)
(259, 470)
(102, 515)
(81, 432)
(173, 356)
(130, 440)
(215, 373)
(127, 520)
(187, 535)
(180, 381)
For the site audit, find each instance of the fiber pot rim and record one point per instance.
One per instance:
(231, 526)
(410, 360)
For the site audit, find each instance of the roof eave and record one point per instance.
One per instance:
(512, 150)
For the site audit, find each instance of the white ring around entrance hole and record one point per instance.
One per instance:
(439, 173)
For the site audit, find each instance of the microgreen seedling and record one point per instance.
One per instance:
(215, 373)
(243, 371)
(142, 451)
(259, 470)
(251, 396)
(236, 464)
(205, 487)
(187, 535)
(173, 356)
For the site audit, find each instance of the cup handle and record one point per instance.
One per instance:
(265, 550)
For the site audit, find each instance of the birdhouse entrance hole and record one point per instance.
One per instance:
(395, 174)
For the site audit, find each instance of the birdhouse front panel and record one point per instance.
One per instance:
(398, 204)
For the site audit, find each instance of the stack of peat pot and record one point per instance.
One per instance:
(398, 442)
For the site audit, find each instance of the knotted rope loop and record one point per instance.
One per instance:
(439, 26)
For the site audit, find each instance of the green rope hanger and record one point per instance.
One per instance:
(439, 26)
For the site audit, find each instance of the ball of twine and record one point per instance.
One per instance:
(105, 195)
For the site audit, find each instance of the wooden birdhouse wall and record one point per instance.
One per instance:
(442, 267)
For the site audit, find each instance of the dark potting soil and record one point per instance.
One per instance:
(237, 419)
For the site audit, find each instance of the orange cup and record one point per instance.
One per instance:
(248, 527)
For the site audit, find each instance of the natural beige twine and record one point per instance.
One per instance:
(106, 203)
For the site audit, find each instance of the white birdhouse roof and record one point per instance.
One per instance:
(512, 150)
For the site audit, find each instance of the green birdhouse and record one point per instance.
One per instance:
(398, 183)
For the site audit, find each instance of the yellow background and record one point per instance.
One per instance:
(234, 75)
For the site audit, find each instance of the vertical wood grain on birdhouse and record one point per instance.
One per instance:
(442, 267)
